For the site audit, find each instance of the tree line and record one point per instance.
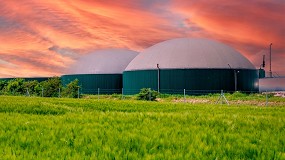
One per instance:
(48, 88)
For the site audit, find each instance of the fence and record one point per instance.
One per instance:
(102, 91)
(122, 93)
(162, 91)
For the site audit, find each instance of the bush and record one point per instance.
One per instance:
(15, 86)
(31, 86)
(71, 89)
(238, 94)
(50, 87)
(3, 85)
(147, 94)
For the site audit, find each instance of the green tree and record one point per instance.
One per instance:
(38, 89)
(15, 86)
(31, 86)
(3, 85)
(50, 87)
(71, 89)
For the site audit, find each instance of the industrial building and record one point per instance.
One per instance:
(100, 71)
(192, 64)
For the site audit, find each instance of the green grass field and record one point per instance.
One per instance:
(53, 128)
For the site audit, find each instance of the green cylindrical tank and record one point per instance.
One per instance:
(197, 65)
(92, 83)
(100, 71)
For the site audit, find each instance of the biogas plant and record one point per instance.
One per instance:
(168, 67)
(192, 64)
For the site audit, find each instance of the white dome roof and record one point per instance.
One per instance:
(187, 53)
(107, 61)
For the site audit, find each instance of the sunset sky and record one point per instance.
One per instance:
(42, 38)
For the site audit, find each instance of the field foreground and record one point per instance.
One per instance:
(53, 128)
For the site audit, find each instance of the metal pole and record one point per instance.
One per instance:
(235, 75)
(149, 95)
(78, 92)
(184, 96)
(42, 91)
(98, 92)
(58, 92)
(263, 61)
(266, 104)
(158, 79)
(122, 93)
(28, 94)
(222, 94)
(225, 99)
(270, 72)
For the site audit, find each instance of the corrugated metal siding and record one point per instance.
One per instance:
(134, 81)
(108, 83)
(175, 80)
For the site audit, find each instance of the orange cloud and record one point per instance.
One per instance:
(249, 26)
(42, 38)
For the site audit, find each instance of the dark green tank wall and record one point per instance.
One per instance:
(107, 83)
(174, 81)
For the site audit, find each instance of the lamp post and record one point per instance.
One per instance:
(158, 74)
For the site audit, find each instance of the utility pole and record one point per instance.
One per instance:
(270, 71)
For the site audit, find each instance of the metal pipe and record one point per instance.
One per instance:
(184, 96)
(266, 103)
(158, 75)
(235, 75)
(78, 92)
(122, 93)
(98, 92)
(270, 72)
(263, 61)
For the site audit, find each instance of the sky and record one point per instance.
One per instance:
(43, 38)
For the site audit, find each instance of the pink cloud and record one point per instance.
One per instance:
(42, 38)
(248, 26)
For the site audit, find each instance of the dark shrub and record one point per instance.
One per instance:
(147, 94)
